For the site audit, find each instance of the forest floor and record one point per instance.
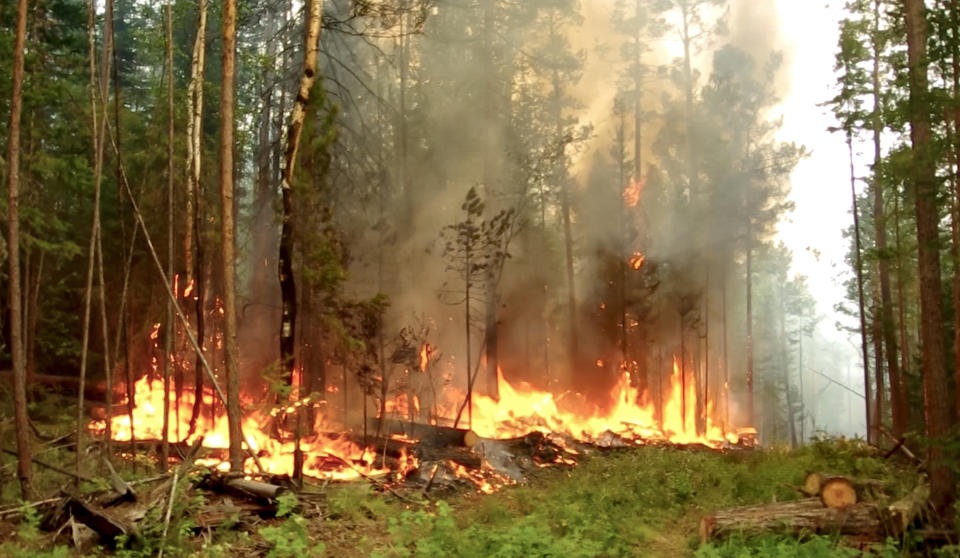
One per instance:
(644, 501)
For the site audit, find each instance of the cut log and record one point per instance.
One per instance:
(797, 517)
(811, 484)
(864, 489)
(838, 492)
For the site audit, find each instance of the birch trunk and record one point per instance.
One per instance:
(294, 130)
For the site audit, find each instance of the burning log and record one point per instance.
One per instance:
(514, 457)
(797, 517)
(427, 434)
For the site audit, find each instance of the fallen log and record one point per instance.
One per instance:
(797, 517)
(94, 517)
(902, 513)
(426, 434)
(254, 488)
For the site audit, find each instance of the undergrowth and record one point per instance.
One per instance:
(640, 502)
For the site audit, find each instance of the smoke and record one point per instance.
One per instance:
(477, 109)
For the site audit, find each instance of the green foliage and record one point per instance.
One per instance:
(290, 539)
(355, 503)
(435, 534)
(781, 547)
(29, 540)
(286, 503)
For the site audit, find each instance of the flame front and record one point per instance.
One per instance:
(631, 415)
(325, 455)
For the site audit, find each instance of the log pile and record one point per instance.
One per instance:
(835, 505)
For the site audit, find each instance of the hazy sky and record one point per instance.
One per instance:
(821, 183)
(821, 187)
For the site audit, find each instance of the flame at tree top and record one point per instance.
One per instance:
(631, 194)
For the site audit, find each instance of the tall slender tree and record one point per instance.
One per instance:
(13, 247)
(227, 239)
(924, 190)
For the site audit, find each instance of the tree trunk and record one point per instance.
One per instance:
(623, 249)
(227, 233)
(902, 312)
(935, 391)
(749, 337)
(13, 246)
(955, 59)
(295, 127)
(194, 259)
(34, 315)
(98, 136)
(784, 361)
(168, 333)
(871, 433)
(725, 394)
(898, 401)
(879, 389)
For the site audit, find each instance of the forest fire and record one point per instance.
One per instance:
(630, 417)
(325, 455)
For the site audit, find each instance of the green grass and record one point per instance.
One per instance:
(645, 502)
(641, 502)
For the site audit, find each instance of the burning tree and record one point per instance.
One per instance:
(476, 249)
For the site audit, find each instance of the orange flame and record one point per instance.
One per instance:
(189, 290)
(426, 351)
(636, 260)
(631, 415)
(631, 194)
(326, 456)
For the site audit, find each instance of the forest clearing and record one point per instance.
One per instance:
(480, 278)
